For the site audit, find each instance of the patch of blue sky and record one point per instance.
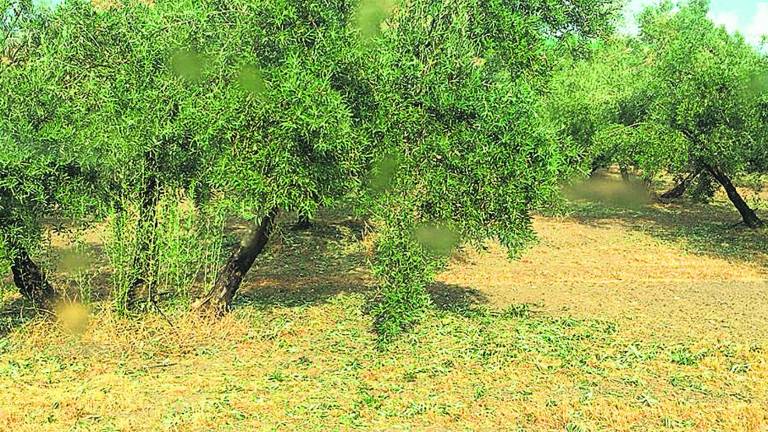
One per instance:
(748, 17)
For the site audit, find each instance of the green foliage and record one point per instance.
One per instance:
(404, 269)
(247, 107)
(41, 174)
(189, 246)
(459, 115)
(601, 105)
(120, 250)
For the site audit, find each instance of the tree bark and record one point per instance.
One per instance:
(146, 231)
(680, 188)
(31, 280)
(747, 214)
(302, 224)
(624, 172)
(219, 298)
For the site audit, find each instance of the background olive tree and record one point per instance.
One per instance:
(683, 97)
(240, 105)
(703, 90)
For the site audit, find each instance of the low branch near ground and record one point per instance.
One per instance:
(31, 280)
(680, 188)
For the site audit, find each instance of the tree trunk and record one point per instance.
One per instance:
(219, 298)
(624, 172)
(31, 280)
(680, 188)
(303, 223)
(747, 214)
(144, 260)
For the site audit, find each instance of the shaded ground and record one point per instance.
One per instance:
(652, 318)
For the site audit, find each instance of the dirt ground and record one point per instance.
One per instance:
(614, 269)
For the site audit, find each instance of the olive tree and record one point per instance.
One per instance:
(19, 181)
(41, 175)
(242, 102)
(124, 98)
(18, 21)
(694, 102)
(284, 120)
(702, 87)
(465, 147)
(683, 97)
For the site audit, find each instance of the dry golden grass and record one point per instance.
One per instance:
(316, 368)
(644, 319)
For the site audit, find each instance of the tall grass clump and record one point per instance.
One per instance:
(121, 248)
(185, 253)
(189, 246)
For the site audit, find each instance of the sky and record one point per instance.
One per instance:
(749, 17)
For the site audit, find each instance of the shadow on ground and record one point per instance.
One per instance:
(15, 313)
(705, 229)
(312, 266)
(456, 298)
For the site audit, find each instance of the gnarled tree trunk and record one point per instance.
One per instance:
(624, 173)
(680, 188)
(747, 214)
(144, 260)
(31, 280)
(219, 298)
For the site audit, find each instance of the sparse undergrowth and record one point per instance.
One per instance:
(315, 367)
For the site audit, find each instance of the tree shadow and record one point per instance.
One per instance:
(704, 229)
(16, 313)
(310, 267)
(456, 298)
(269, 293)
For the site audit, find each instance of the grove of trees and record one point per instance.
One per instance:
(444, 122)
(683, 97)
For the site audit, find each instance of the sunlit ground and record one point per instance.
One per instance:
(642, 317)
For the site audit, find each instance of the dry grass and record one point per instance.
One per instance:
(611, 269)
(644, 319)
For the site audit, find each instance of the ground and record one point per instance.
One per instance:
(622, 318)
